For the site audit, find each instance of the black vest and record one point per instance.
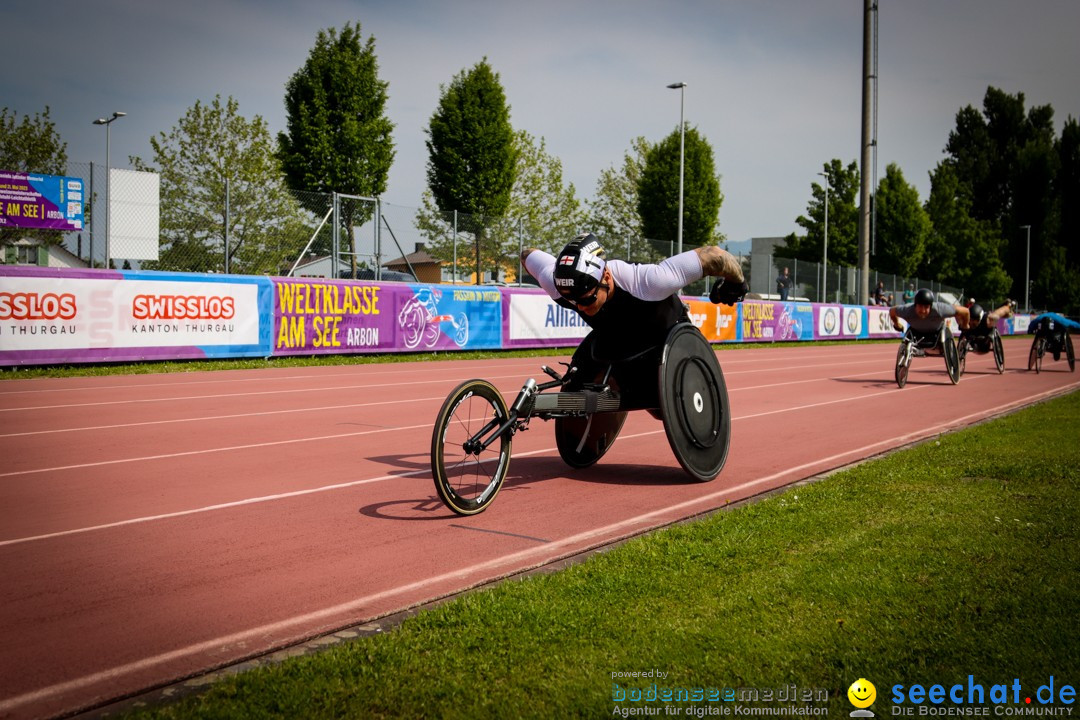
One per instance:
(627, 325)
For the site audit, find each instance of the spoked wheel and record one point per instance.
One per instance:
(903, 362)
(952, 359)
(999, 354)
(961, 354)
(1038, 347)
(467, 477)
(1070, 355)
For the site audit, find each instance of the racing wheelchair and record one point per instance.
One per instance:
(980, 341)
(1052, 336)
(915, 344)
(474, 430)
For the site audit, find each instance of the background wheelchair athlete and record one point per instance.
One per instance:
(1053, 334)
(927, 333)
(981, 336)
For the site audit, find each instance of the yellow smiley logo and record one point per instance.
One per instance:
(862, 693)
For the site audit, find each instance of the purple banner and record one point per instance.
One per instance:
(41, 201)
(314, 316)
(775, 321)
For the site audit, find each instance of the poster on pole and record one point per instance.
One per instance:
(41, 202)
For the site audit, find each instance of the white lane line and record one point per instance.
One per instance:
(230, 381)
(217, 417)
(610, 532)
(187, 453)
(231, 395)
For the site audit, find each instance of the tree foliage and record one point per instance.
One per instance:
(543, 212)
(962, 250)
(843, 219)
(31, 146)
(613, 214)
(472, 150)
(658, 191)
(472, 158)
(338, 137)
(902, 225)
(212, 145)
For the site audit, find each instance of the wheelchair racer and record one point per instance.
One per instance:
(630, 307)
(981, 323)
(926, 316)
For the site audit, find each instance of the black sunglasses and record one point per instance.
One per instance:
(587, 300)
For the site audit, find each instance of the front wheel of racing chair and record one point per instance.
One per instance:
(903, 360)
(999, 352)
(952, 358)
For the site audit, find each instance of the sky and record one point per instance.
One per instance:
(775, 86)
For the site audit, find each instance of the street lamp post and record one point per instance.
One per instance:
(108, 181)
(1027, 271)
(825, 254)
(681, 87)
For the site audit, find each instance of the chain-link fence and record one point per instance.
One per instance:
(832, 283)
(266, 229)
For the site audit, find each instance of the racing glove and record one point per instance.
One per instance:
(728, 292)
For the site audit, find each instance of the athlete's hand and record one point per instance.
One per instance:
(728, 292)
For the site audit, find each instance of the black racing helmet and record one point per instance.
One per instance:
(924, 297)
(579, 267)
(977, 314)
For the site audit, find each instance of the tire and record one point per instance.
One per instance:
(1070, 355)
(999, 353)
(1035, 356)
(903, 363)
(961, 354)
(952, 359)
(467, 482)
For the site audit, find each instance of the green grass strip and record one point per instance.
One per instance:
(954, 558)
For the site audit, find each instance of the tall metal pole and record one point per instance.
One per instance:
(825, 254)
(681, 87)
(869, 22)
(1027, 271)
(107, 122)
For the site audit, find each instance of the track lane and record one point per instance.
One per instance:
(354, 531)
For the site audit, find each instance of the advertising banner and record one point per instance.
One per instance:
(52, 315)
(51, 202)
(314, 316)
(878, 323)
(827, 321)
(532, 319)
(775, 321)
(718, 323)
(852, 321)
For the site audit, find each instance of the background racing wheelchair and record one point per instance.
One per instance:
(473, 434)
(1052, 335)
(980, 338)
(916, 344)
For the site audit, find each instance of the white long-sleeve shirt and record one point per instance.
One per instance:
(647, 282)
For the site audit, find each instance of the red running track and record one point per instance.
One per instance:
(153, 527)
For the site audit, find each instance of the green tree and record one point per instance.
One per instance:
(902, 225)
(843, 219)
(472, 156)
(1067, 192)
(658, 191)
(613, 214)
(1005, 162)
(31, 146)
(962, 250)
(338, 138)
(543, 212)
(210, 146)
